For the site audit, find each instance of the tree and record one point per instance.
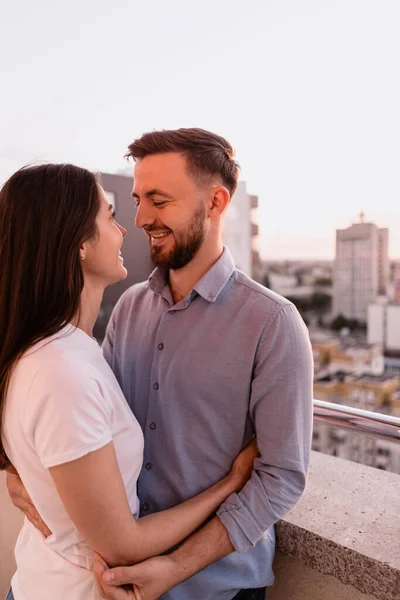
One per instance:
(320, 302)
(324, 281)
(339, 322)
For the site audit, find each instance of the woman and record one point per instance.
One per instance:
(65, 425)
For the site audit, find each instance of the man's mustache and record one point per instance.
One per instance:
(152, 228)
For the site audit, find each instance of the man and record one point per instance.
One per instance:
(207, 358)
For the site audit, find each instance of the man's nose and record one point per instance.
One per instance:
(144, 215)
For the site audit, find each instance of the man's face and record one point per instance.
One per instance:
(171, 209)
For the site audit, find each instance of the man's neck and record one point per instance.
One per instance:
(182, 281)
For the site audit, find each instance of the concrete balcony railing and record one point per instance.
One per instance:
(340, 542)
(376, 425)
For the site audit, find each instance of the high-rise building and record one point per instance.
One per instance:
(361, 270)
(241, 231)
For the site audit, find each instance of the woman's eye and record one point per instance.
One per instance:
(113, 215)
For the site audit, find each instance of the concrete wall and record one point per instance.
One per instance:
(296, 581)
(134, 250)
(237, 229)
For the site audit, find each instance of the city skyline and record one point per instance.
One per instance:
(307, 94)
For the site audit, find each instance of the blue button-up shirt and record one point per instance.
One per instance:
(202, 376)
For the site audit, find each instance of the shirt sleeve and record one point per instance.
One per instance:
(281, 411)
(66, 414)
(108, 345)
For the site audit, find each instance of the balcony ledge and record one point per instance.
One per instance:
(347, 525)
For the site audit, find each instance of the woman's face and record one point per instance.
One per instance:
(102, 261)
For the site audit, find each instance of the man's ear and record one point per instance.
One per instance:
(220, 198)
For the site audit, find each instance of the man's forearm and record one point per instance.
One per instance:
(202, 548)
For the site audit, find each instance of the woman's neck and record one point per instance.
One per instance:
(89, 308)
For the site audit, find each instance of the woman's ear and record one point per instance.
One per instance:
(82, 251)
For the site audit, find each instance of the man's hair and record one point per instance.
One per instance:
(207, 154)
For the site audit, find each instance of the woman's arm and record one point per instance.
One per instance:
(93, 493)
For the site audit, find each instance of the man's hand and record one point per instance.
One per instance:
(148, 580)
(21, 499)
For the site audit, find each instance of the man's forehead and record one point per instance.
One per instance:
(159, 163)
(160, 170)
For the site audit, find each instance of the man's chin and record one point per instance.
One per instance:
(159, 258)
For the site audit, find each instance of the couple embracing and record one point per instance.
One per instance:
(157, 465)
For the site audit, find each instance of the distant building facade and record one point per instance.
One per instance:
(350, 357)
(361, 271)
(352, 373)
(368, 392)
(241, 231)
(384, 326)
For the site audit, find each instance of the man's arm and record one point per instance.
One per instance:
(21, 500)
(155, 576)
(281, 411)
(204, 547)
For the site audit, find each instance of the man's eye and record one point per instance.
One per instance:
(162, 203)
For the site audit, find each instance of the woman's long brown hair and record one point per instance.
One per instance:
(46, 213)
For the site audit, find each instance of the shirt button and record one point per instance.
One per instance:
(153, 425)
(145, 506)
(156, 386)
(161, 346)
(172, 312)
(148, 466)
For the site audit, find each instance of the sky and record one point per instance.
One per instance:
(307, 91)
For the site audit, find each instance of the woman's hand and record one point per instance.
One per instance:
(242, 466)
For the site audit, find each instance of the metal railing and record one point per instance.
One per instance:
(358, 420)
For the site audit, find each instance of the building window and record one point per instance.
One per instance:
(383, 452)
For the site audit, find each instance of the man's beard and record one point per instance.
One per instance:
(187, 243)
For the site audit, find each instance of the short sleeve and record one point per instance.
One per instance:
(66, 414)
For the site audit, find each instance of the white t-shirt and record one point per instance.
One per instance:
(62, 403)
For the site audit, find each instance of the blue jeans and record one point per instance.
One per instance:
(250, 594)
(254, 594)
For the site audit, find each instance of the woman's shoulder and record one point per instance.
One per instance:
(64, 359)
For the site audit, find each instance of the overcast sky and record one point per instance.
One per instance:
(307, 91)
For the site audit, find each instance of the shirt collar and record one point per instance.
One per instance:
(216, 278)
(209, 286)
(158, 280)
